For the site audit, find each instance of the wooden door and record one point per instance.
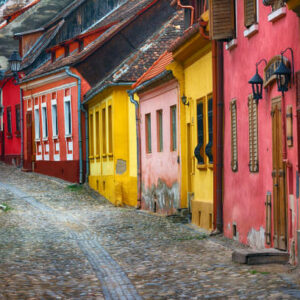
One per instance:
(279, 179)
(28, 144)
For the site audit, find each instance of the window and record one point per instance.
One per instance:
(173, 128)
(234, 152)
(222, 19)
(37, 123)
(44, 122)
(68, 116)
(148, 133)
(9, 128)
(250, 12)
(104, 131)
(253, 135)
(1, 111)
(91, 129)
(110, 129)
(54, 119)
(208, 148)
(199, 151)
(97, 132)
(67, 50)
(159, 122)
(276, 4)
(18, 119)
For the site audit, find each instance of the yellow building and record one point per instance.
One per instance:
(193, 70)
(112, 145)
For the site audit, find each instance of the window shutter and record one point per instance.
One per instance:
(298, 113)
(253, 135)
(249, 12)
(200, 132)
(234, 154)
(222, 19)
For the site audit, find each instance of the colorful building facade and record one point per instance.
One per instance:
(10, 122)
(193, 70)
(260, 137)
(158, 94)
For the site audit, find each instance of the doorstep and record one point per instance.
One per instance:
(259, 257)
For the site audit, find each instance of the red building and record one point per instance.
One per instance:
(261, 182)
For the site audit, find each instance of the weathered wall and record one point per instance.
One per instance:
(160, 170)
(110, 173)
(245, 192)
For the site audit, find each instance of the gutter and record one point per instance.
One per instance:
(67, 69)
(86, 143)
(138, 135)
(99, 90)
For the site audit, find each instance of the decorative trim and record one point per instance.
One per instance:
(231, 44)
(277, 14)
(44, 81)
(251, 31)
(65, 86)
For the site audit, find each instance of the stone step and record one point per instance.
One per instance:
(259, 257)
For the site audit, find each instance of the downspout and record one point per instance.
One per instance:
(79, 122)
(188, 7)
(22, 126)
(86, 143)
(218, 104)
(138, 135)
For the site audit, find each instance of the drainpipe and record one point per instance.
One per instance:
(218, 103)
(138, 135)
(188, 7)
(22, 133)
(86, 143)
(79, 121)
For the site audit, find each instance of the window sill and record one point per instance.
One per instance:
(37, 140)
(252, 30)
(55, 137)
(231, 45)
(97, 156)
(45, 139)
(18, 134)
(201, 167)
(9, 136)
(68, 136)
(277, 14)
(110, 155)
(91, 157)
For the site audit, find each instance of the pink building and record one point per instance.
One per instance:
(260, 140)
(159, 137)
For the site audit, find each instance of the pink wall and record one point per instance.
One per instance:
(160, 170)
(245, 192)
(11, 98)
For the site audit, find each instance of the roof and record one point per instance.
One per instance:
(92, 47)
(141, 60)
(157, 68)
(43, 11)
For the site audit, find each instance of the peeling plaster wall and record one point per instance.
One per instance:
(160, 170)
(256, 238)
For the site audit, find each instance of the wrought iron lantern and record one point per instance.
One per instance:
(2, 73)
(257, 83)
(284, 73)
(184, 100)
(15, 62)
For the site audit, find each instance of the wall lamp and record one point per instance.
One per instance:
(284, 74)
(185, 100)
(15, 65)
(257, 82)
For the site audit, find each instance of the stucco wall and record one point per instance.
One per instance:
(160, 170)
(245, 192)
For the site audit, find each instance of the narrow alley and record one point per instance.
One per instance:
(60, 241)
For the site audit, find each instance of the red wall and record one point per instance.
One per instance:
(57, 157)
(245, 192)
(11, 98)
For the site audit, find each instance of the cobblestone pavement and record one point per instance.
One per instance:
(64, 242)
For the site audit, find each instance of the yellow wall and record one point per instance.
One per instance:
(113, 171)
(193, 69)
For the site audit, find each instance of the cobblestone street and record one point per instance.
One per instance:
(64, 242)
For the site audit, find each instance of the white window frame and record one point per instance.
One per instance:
(69, 132)
(37, 123)
(45, 121)
(54, 120)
